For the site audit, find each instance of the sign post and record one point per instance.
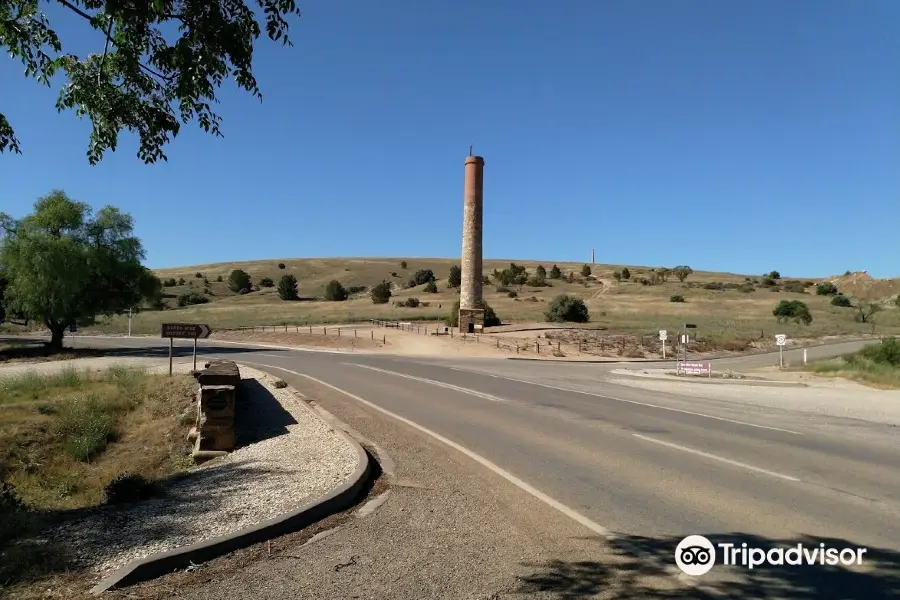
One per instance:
(73, 327)
(663, 336)
(781, 340)
(188, 331)
(685, 338)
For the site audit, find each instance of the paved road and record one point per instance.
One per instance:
(644, 465)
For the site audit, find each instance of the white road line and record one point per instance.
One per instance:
(448, 386)
(571, 513)
(714, 457)
(647, 404)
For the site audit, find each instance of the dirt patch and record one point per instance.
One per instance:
(347, 339)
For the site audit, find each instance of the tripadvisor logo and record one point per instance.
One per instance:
(696, 555)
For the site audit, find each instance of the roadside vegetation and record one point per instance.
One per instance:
(876, 364)
(73, 439)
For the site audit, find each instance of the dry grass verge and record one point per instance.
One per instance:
(37, 351)
(877, 365)
(63, 437)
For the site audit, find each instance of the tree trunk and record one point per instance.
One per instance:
(57, 331)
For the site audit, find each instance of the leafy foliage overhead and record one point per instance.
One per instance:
(154, 65)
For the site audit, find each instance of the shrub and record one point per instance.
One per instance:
(287, 288)
(746, 288)
(793, 310)
(430, 288)
(486, 280)
(127, 488)
(335, 292)
(454, 279)
(826, 289)
(239, 282)
(490, 317)
(681, 272)
(512, 294)
(280, 384)
(626, 274)
(181, 281)
(381, 293)
(795, 287)
(191, 298)
(714, 285)
(768, 281)
(540, 272)
(393, 273)
(266, 282)
(281, 266)
(411, 302)
(198, 275)
(565, 308)
(356, 289)
(170, 282)
(537, 282)
(774, 275)
(402, 264)
(617, 275)
(585, 270)
(842, 301)
(421, 277)
(885, 353)
(219, 278)
(86, 428)
(555, 273)
(676, 298)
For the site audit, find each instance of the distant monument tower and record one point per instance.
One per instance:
(471, 311)
(592, 256)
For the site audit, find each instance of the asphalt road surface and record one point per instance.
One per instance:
(641, 465)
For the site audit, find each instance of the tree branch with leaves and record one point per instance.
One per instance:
(140, 79)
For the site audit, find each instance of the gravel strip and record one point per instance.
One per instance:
(298, 459)
(880, 406)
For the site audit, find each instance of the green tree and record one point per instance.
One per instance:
(586, 271)
(430, 288)
(65, 264)
(335, 292)
(866, 311)
(555, 273)
(565, 308)
(540, 272)
(381, 293)
(402, 264)
(454, 279)
(422, 276)
(154, 66)
(4, 283)
(287, 288)
(774, 274)
(239, 282)
(663, 274)
(794, 310)
(626, 274)
(842, 301)
(681, 272)
(617, 275)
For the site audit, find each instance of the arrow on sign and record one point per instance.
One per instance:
(190, 331)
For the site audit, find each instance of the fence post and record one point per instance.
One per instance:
(579, 345)
(354, 334)
(557, 347)
(339, 332)
(324, 331)
(285, 328)
(373, 334)
(537, 347)
(298, 329)
(384, 339)
(498, 342)
(310, 330)
(517, 347)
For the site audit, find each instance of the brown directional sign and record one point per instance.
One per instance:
(190, 331)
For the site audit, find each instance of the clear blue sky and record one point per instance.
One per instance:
(735, 136)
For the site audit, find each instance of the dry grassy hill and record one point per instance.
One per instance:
(726, 306)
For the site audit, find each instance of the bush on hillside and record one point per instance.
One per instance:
(842, 301)
(198, 275)
(795, 287)
(421, 277)
(128, 488)
(626, 274)
(381, 293)
(681, 272)
(281, 266)
(239, 282)
(430, 288)
(181, 281)
(768, 282)
(266, 282)
(564, 308)
(512, 294)
(191, 298)
(774, 275)
(794, 310)
(885, 353)
(402, 264)
(335, 292)
(676, 298)
(585, 270)
(454, 279)
(287, 288)
(555, 273)
(411, 302)
(219, 278)
(826, 289)
(170, 282)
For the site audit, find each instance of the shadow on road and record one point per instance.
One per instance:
(646, 559)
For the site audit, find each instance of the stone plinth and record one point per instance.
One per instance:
(471, 320)
(215, 417)
(219, 372)
(471, 268)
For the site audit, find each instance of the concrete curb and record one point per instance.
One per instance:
(338, 499)
(711, 381)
